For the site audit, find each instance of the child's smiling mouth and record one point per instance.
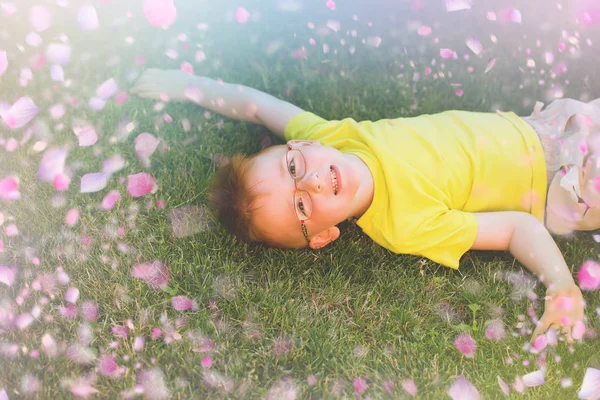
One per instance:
(335, 181)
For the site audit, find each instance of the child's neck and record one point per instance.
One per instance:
(364, 195)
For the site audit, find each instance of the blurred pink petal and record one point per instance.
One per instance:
(57, 73)
(141, 184)
(113, 164)
(333, 24)
(465, 344)
(33, 39)
(330, 4)
(96, 103)
(590, 387)
(40, 18)
(187, 68)
(107, 89)
(9, 188)
(374, 41)
(107, 365)
(475, 45)
(120, 331)
(447, 53)
(457, 5)
(72, 295)
(160, 13)
(589, 275)
(462, 389)
(11, 230)
(138, 343)
(72, 217)
(505, 388)
(53, 163)
(360, 385)
(87, 18)
(181, 303)
(111, 199)
(490, 64)
(540, 343)
(578, 330)
(155, 274)
(495, 330)
(23, 321)
(20, 113)
(57, 111)
(93, 182)
(69, 311)
(145, 145)
(241, 15)
(424, 30)
(121, 98)
(207, 362)
(82, 388)
(8, 7)
(49, 345)
(7, 275)
(89, 310)
(409, 386)
(58, 53)
(511, 15)
(533, 379)
(3, 395)
(61, 182)
(3, 62)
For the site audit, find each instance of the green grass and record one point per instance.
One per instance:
(350, 310)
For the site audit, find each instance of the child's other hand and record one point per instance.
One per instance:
(563, 308)
(155, 83)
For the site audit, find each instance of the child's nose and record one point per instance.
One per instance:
(311, 182)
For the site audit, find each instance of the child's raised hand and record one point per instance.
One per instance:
(157, 83)
(563, 309)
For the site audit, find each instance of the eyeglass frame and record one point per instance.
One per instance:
(290, 147)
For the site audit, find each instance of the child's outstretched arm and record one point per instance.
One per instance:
(529, 241)
(231, 100)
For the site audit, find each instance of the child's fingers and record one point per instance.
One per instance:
(566, 330)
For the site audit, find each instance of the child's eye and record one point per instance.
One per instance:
(292, 168)
(301, 208)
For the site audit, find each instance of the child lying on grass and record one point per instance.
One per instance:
(434, 185)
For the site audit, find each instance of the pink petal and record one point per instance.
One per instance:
(475, 45)
(590, 386)
(535, 378)
(465, 344)
(89, 310)
(93, 182)
(20, 113)
(374, 41)
(145, 145)
(107, 365)
(82, 389)
(3, 395)
(87, 18)
(457, 5)
(23, 320)
(330, 4)
(120, 331)
(58, 53)
(33, 39)
(490, 64)
(505, 388)
(57, 73)
(589, 275)
(462, 389)
(7, 275)
(160, 13)
(121, 98)
(495, 330)
(96, 103)
(40, 18)
(9, 188)
(424, 30)
(3, 62)
(11, 230)
(72, 217)
(49, 346)
(61, 182)
(540, 343)
(187, 68)
(72, 295)
(141, 184)
(57, 111)
(360, 385)
(155, 274)
(111, 199)
(447, 53)
(113, 164)
(207, 362)
(241, 15)
(409, 386)
(53, 163)
(333, 24)
(181, 303)
(107, 89)
(138, 343)
(578, 330)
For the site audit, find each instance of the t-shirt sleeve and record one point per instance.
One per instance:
(306, 126)
(443, 238)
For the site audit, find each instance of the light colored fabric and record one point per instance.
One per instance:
(569, 131)
(432, 172)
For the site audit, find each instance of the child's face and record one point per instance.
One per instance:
(278, 208)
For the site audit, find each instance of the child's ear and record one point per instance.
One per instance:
(325, 237)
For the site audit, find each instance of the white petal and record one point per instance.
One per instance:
(93, 182)
(535, 378)
(590, 388)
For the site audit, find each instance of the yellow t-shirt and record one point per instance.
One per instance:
(432, 172)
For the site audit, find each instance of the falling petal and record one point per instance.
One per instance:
(3, 62)
(53, 163)
(140, 184)
(49, 345)
(457, 5)
(535, 378)
(111, 199)
(207, 362)
(9, 188)
(72, 295)
(40, 18)
(495, 330)
(82, 388)
(490, 64)
(241, 15)
(588, 275)
(23, 321)
(20, 113)
(462, 389)
(424, 30)
(374, 41)
(330, 4)
(9, 8)
(107, 89)
(578, 330)
(145, 145)
(72, 217)
(505, 388)
(475, 45)
(96, 103)
(155, 274)
(7, 275)
(447, 53)
(590, 388)
(58, 53)
(333, 24)
(93, 182)
(160, 13)
(187, 68)
(89, 310)
(33, 39)
(138, 343)
(540, 343)
(181, 303)
(61, 182)
(107, 365)
(113, 164)
(87, 18)
(360, 385)
(57, 73)
(153, 382)
(465, 344)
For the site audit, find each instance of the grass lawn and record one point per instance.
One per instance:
(350, 320)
